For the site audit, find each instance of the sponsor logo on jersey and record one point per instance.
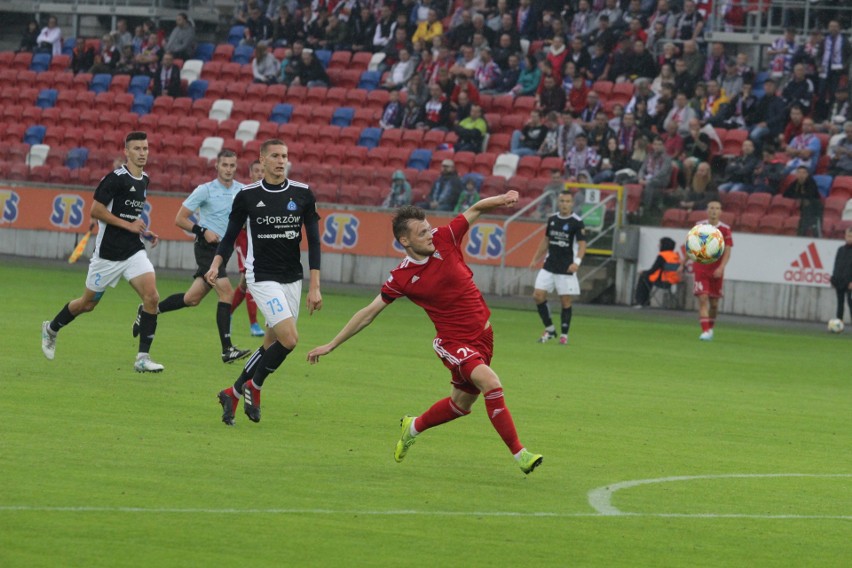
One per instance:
(341, 231)
(808, 267)
(68, 211)
(9, 205)
(486, 241)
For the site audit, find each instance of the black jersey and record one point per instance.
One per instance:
(274, 215)
(561, 233)
(124, 196)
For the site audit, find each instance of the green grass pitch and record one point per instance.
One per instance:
(101, 466)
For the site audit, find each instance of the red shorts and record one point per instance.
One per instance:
(240, 246)
(706, 284)
(462, 357)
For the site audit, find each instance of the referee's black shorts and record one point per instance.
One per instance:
(204, 253)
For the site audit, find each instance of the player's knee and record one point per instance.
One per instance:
(191, 301)
(86, 307)
(151, 300)
(539, 296)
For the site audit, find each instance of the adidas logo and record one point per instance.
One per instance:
(414, 279)
(132, 190)
(496, 412)
(808, 268)
(261, 204)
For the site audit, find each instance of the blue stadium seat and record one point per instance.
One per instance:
(342, 116)
(197, 89)
(139, 85)
(370, 137)
(47, 98)
(236, 35)
(419, 159)
(77, 158)
(100, 83)
(34, 134)
(204, 51)
(68, 45)
(243, 54)
(477, 179)
(40, 62)
(369, 80)
(281, 113)
(142, 104)
(824, 184)
(324, 57)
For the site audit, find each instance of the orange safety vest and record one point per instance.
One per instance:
(668, 273)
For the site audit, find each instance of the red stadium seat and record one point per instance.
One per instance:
(464, 162)
(397, 157)
(758, 203)
(484, 163)
(391, 138)
(749, 222)
(355, 98)
(528, 166)
(301, 114)
(411, 139)
(377, 99)
(328, 134)
(321, 115)
(377, 157)
(673, 218)
(339, 60)
(356, 156)
(349, 135)
(316, 95)
(275, 94)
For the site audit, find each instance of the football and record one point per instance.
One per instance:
(835, 325)
(705, 244)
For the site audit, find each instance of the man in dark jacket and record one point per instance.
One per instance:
(167, 78)
(841, 277)
(769, 115)
(804, 188)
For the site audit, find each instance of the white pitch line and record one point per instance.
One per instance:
(601, 498)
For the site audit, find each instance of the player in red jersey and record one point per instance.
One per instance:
(434, 276)
(709, 277)
(241, 246)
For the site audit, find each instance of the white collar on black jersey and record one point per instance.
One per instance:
(274, 188)
(124, 167)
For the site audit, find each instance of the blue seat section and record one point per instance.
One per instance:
(281, 113)
(370, 80)
(342, 116)
(142, 104)
(40, 62)
(243, 54)
(324, 57)
(204, 51)
(100, 83)
(34, 134)
(419, 159)
(139, 85)
(47, 98)
(197, 89)
(77, 158)
(370, 137)
(236, 35)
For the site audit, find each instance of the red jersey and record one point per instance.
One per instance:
(442, 285)
(729, 242)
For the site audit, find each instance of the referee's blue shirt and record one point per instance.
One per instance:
(213, 202)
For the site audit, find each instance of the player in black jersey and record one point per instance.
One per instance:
(563, 231)
(273, 210)
(119, 251)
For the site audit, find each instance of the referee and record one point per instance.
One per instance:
(213, 202)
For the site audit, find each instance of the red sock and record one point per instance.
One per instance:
(442, 411)
(712, 322)
(251, 306)
(232, 393)
(239, 294)
(705, 324)
(501, 419)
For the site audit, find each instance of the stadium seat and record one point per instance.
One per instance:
(301, 114)
(138, 85)
(142, 104)
(392, 138)
(376, 99)
(281, 113)
(411, 139)
(748, 222)
(397, 158)
(376, 157)
(770, 224)
(523, 105)
(197, 89)
(361, 60)
(191, 70)
(223, 52)
(204, 51)
(34, 134)
(221, 109)
(621, 93)
(841, 186)
(212, 70)
(46, 98)
(790, 226)
(484, 163)
(528, 166)
(734, 201)
(210, 147)
(505, 165)
(76, 158)
(780, 205)
(162, 105)
(243, 54)
(100, 83)
(356, 156)
(236, 34)
(296, 94)
(327, 134)
(758, 203)
(120, 84)
(370, 137)
(323, 56)
(339, 59)
(419, 159)
(40, 62)
(349, 136)
(342, 116)
(365, 117)
(63, 81)
(355, 98)
(369, 80)
(673, 218)
(37, 155)
(275, 94)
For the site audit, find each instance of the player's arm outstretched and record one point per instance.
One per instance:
(359, 321)
(508, 199)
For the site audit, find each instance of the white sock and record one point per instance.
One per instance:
(142, 356)
(518, 455)
(412, 430)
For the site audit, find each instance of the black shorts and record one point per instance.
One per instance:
(204, 253)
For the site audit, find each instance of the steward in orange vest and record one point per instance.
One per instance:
(665, 272)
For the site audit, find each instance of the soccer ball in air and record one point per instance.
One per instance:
(705, 244)
(835, 325)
